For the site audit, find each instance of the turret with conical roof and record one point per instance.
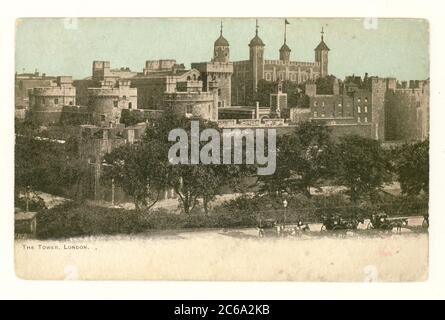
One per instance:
(321, 56)
(221, 51)
(285, 50)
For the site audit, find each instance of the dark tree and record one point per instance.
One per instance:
(412, 167)
(303, 161)
(362, 166)
(139, 170)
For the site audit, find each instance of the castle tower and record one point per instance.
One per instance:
(221, 52)
(321, 56)
(256, 46)
(285, 50)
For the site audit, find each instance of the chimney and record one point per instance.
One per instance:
(257, 110)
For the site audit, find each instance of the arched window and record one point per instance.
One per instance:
(129, 105)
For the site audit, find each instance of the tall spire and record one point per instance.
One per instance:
(322, 33)
(256, 27)
(220, 32)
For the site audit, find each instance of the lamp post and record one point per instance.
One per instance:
(27, 198)
(105, 164)
(285, 203)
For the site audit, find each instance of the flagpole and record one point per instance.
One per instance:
(285, 27)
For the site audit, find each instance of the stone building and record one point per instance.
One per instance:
(46, 104)
(107, 101)
(160, 77)
(106, 93)
(407, 111)
(24, 82)
(190, 100)
(247, 73)
(219, 70)
(355, 106)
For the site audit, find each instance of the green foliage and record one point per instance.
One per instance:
(362, 166)
(303, 161)
(266, 88)
(132, 117)
(76, 219)
(139, 170)
(412, 167)
(46, 165)
(35, 203)
(190, 182)
(325, 84)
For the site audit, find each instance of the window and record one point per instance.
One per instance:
(366, 119)
(268, 76)
(315, 103)
(56, 101)
(366, 109)
(219, 92)
(358, 119)
(339, 104)
(115, 103)
(359, 98)
(322, 114)
(322, 103)
(189, 109)
(358, 109)
(102, 117)
(315, 114)
(124, 97)
(130, 105)
(71, 103)
(366, 99)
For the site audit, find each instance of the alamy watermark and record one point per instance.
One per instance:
(210, 153)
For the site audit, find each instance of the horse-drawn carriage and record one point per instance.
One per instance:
(271, 227)
(267, 227)
(381, 221)
(337, 222)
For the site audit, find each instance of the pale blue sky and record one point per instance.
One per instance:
(397, 48)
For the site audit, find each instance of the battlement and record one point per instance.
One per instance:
(292, 63)
(54, 91)
(222, 67)
(189, 96)
(112, 91)
(412, 84)
(101, 64)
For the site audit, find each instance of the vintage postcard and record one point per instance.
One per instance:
(222, 149)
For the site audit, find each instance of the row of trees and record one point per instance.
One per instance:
(143, 169)
(307, 158)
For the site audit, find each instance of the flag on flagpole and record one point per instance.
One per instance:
(286, 22)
